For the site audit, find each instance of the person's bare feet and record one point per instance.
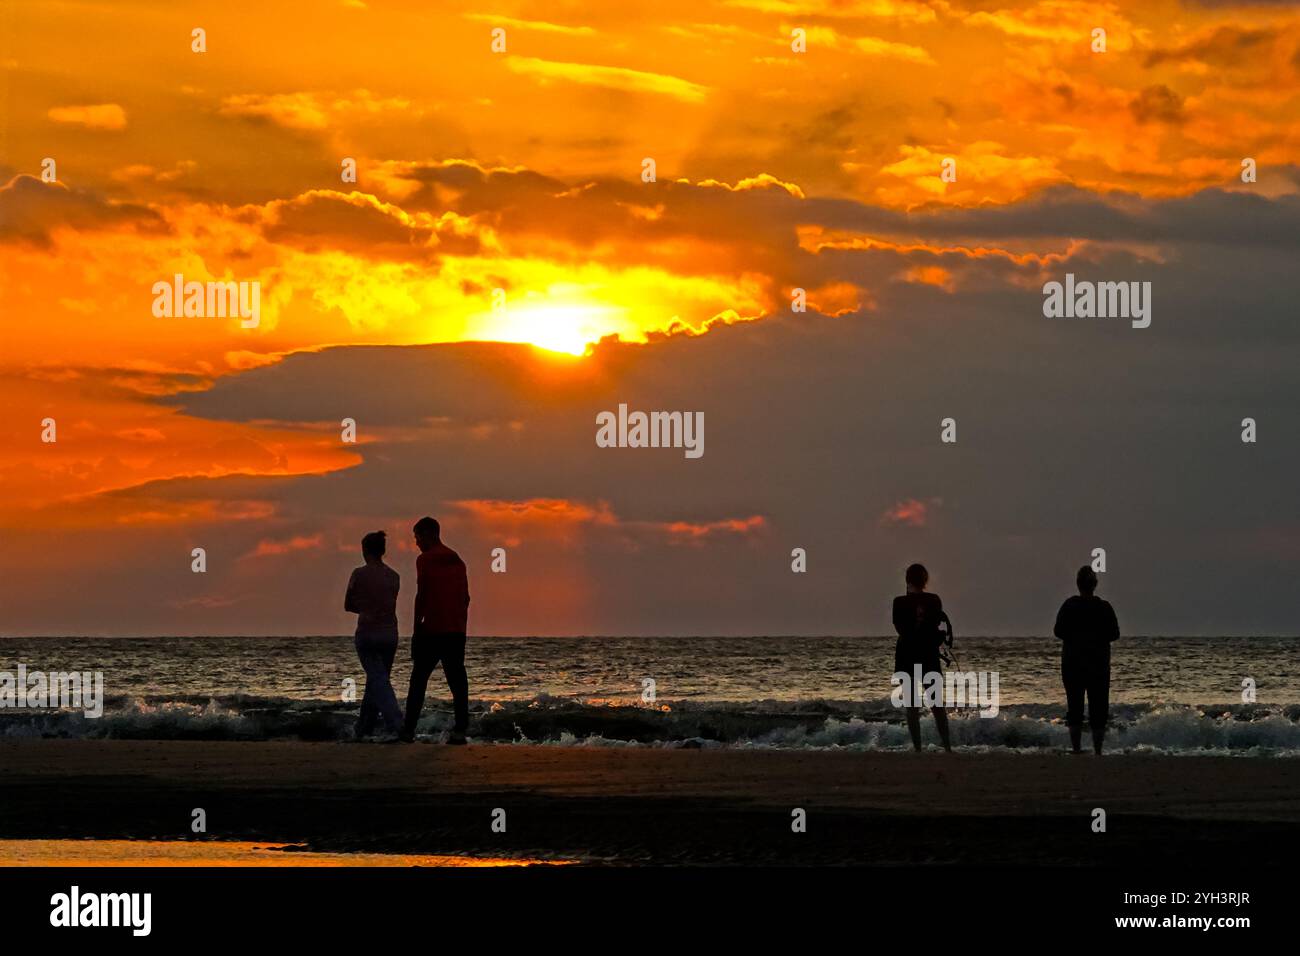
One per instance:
(456, 738)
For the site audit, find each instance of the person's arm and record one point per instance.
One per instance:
(417, 612)
(464, 583)
(397, 591)
(900, 619)
(939, 618)
(350, 597)
(1061, 623)
(1112, 624)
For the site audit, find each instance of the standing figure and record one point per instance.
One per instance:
(441, 612)
(918, 616)
(372, 596)
(1087, 627)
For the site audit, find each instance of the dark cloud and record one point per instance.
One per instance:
(361, 224)
(1225, 46)
(1071, 435)
(1215, 216)
(30, 209)
(1157, 103)
(754, 229)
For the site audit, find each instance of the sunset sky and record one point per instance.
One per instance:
(522, 171)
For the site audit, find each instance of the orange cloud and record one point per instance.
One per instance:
(836, 298)
(910, 513)
(931, 275)
(820, 37)
(271, 548)
(539, 25)
(698, 533)
(97, 116)
(761, 181)
(558, 518)
(612, 77)
(555, 519)
(309, 111)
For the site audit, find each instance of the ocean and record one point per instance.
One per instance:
(1177, 695)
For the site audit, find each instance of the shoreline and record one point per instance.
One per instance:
(656, 805)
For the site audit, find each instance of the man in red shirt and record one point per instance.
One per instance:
(441, 610)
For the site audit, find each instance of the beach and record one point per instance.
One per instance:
(628, 805)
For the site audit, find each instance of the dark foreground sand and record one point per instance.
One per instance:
(660, 806)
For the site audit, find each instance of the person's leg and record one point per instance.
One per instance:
(914, 726)
(934, 666)
(1099, 706)
(385, 698)
(1074, 691)
(453, 666)
(366, 719)
(941, 723)
(424, 658)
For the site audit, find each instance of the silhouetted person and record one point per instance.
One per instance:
(441, 610)
(372, 596)
(1086, 626)
(917, 619)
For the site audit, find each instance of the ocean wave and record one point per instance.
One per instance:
(1241, 729)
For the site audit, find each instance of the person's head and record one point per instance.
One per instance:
(427, 533)
(374, 545)
(1086, 579)
(917, 577)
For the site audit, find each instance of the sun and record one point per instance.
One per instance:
(556, 326)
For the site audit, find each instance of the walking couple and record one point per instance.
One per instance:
(438, 636)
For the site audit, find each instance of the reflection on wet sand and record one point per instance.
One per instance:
(213, 853)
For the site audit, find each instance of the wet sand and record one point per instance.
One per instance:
(644, 805)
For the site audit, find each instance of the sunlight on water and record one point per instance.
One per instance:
(211, 853)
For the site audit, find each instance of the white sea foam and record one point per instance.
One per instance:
(550, 720)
